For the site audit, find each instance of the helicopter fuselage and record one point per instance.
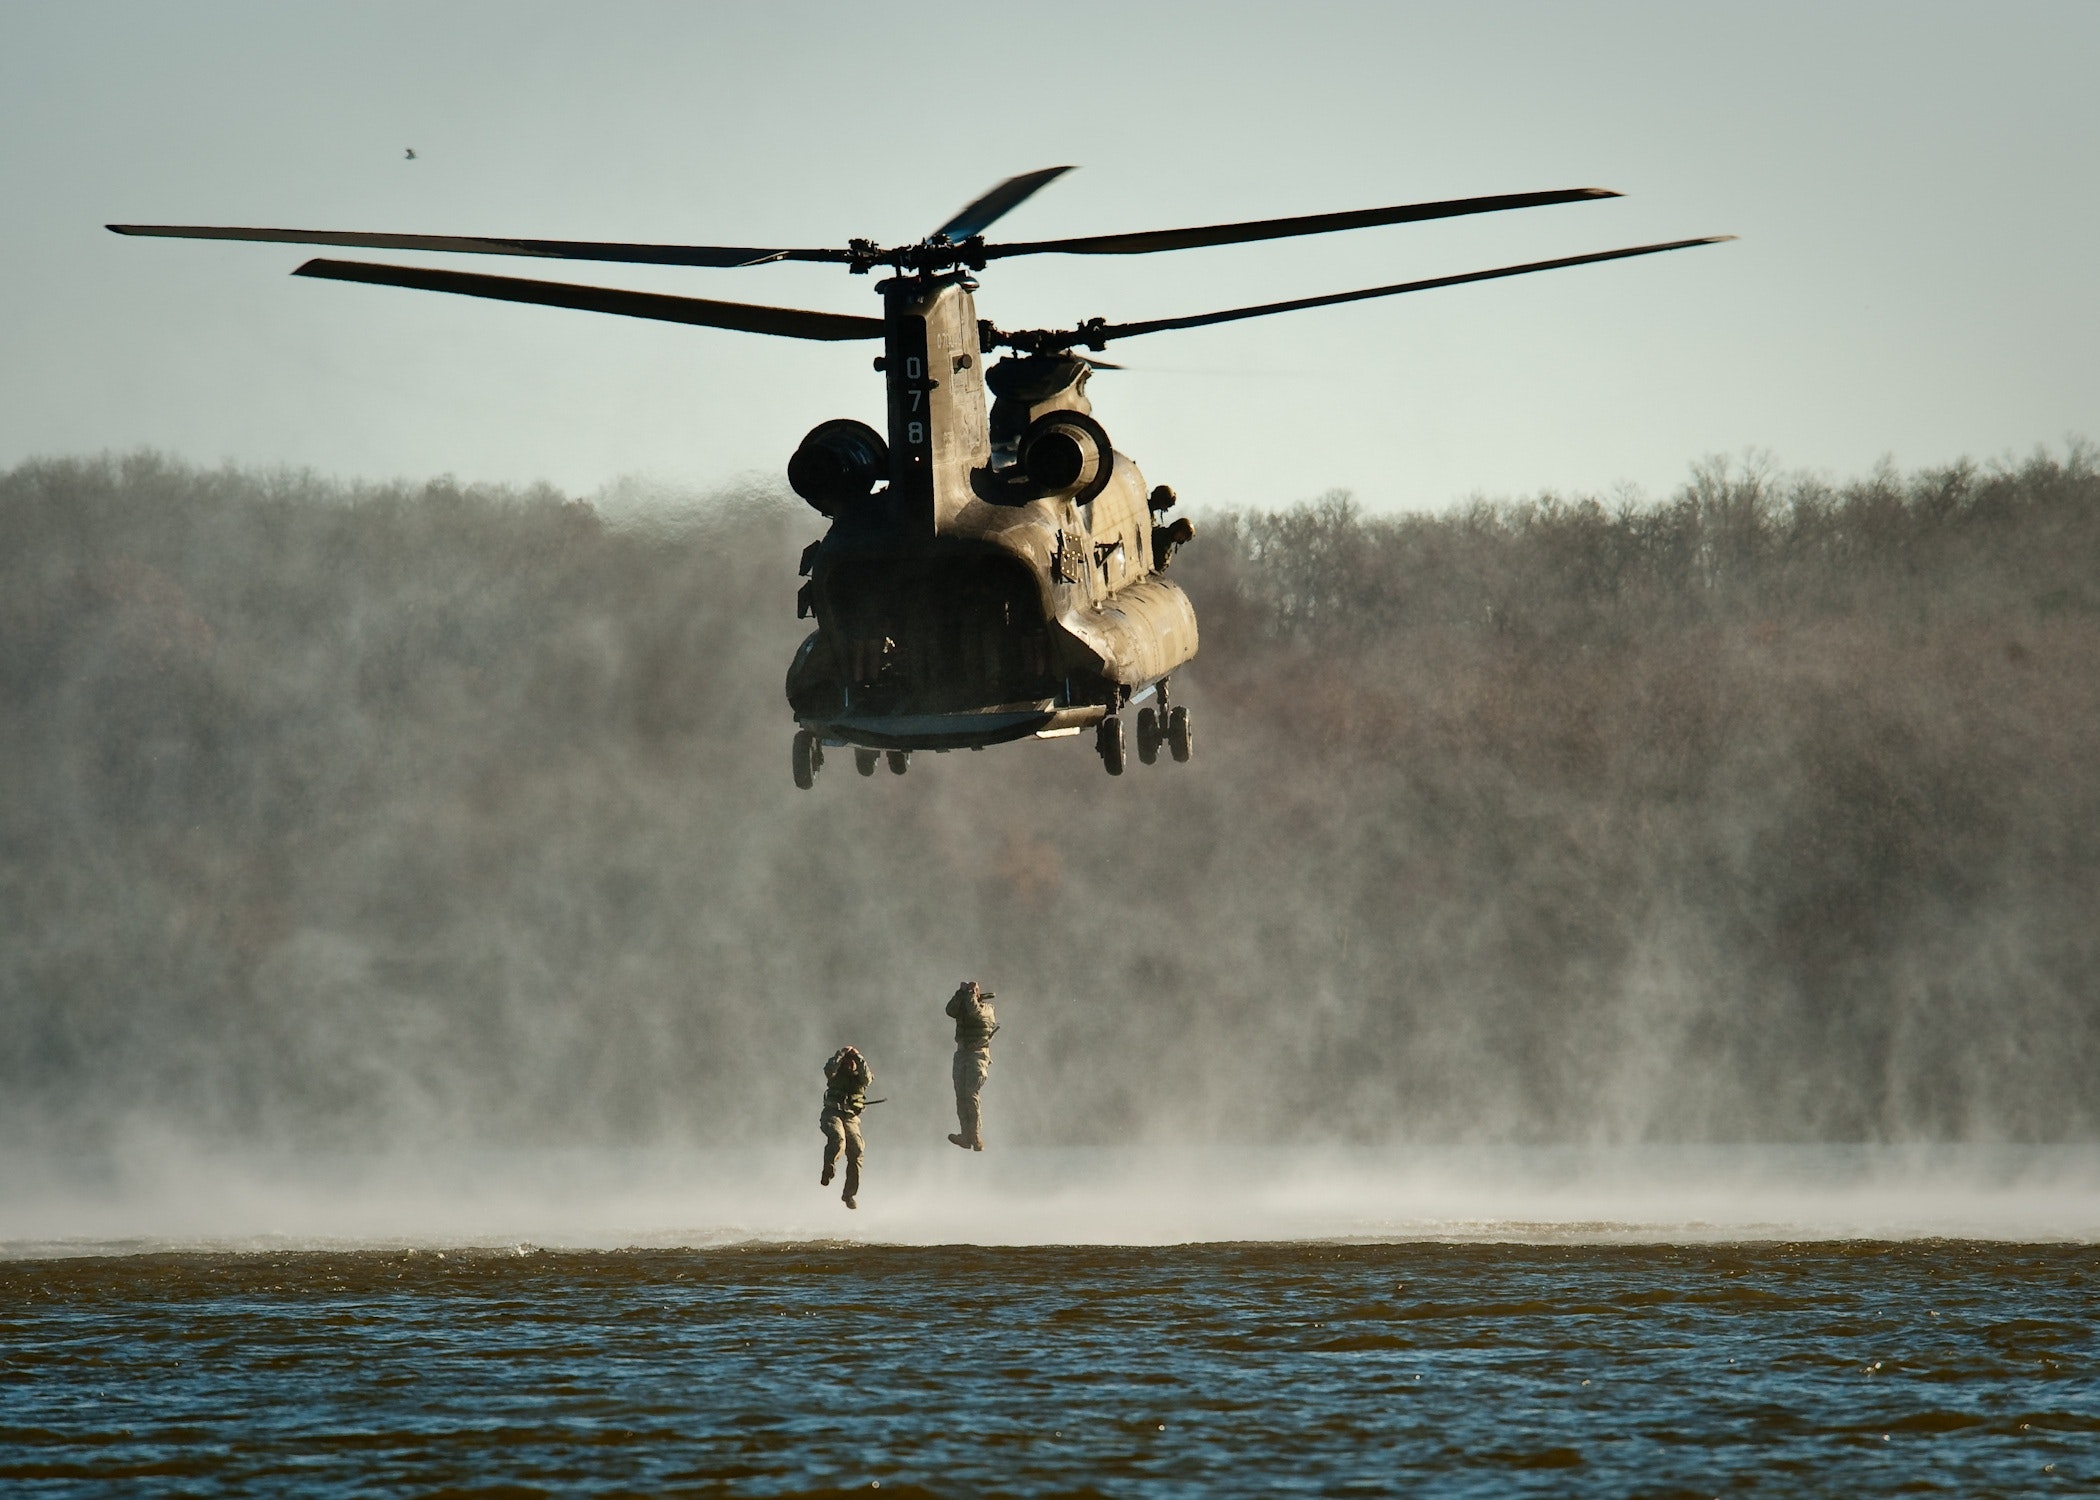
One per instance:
(978, 599)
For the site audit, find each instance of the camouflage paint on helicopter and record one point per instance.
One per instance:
(987, 575)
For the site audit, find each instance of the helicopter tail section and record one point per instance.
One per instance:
(935, 372)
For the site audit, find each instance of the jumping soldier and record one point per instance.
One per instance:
(971, 1008)
(846, 1080)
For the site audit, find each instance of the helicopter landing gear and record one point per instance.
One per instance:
(1108, 744)
(865, 760)
(900, 761)
(1180, 738)
(1148, 735)
(809, 759)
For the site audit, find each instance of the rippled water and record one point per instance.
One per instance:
(1957, 1367)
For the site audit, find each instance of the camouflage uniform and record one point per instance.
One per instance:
(974, 1025)
(846, 1081)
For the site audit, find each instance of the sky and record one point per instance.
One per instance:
(1913, 185)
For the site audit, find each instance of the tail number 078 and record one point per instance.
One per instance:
(915, 370)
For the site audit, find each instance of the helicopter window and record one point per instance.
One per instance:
(939, 635)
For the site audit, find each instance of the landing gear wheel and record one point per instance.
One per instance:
(809, 758)
(1148, 735)
(865, 761)
(900, 761)
(1180, 738)
(1108, 743)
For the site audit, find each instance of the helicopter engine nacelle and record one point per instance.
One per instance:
(839, 463)
(1066, 453)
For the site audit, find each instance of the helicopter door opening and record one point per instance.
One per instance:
(939, 635)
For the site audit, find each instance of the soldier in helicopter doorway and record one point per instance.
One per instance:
(971, 1008)
(846, 1080)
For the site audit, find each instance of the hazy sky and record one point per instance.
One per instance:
(1915, 185)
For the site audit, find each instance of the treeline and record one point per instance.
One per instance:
(341, 812)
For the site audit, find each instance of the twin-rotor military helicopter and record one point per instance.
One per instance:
(987, 575)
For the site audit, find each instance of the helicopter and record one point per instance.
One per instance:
(992, 571)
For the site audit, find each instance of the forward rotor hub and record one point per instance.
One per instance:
(1092, 334)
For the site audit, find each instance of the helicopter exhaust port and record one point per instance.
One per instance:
(838, 464)
(1066, 453)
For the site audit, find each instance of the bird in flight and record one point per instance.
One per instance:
(411, 156)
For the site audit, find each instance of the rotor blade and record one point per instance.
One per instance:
(1108, 331)
(1147, 241)
(788, 322)
(999, 202)
(650, 255)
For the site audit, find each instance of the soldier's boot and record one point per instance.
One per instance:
(825, 1180)
(962, 1141)
(852, 1182)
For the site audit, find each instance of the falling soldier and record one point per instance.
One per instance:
(846, 1080)
(971, 1009)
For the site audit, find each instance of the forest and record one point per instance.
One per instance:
(345, 812)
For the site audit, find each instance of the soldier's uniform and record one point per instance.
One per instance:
(846, 1080)
(971, 1008)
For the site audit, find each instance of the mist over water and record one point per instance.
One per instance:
(156, 1197)
(407, 824)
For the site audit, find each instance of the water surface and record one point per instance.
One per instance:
(1833, 1367)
